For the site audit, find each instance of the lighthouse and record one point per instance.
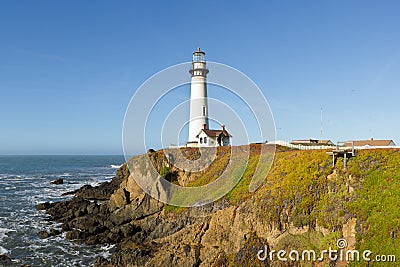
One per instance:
(199, 133)
(198, 97)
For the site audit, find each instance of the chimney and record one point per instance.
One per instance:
(204, 126)
(223, 127)
(372, 139)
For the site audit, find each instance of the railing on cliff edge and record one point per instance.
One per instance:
(323, 147)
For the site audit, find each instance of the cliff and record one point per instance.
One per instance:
(304, 203)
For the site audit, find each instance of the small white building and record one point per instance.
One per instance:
(212, 138)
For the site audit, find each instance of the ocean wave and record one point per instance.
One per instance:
(14, 178)
(108, 246)
(115, 166)
(4, 251)
(3, 233)
(10, 187)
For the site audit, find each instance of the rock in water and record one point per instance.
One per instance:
(45, 234)
(43, 206)
(57, 181)
(4, 258)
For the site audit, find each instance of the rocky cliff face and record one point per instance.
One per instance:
(291, 211)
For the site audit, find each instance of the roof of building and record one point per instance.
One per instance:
(214, 133)
(304, 140)
(370, 142)
(310, 141)
(325, 142)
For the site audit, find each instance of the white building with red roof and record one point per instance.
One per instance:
(212, 138)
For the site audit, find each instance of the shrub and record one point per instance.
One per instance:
(165, 171)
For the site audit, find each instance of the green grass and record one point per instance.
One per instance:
(376, 203)
(297, 185)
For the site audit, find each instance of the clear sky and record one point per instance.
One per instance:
(69, 68)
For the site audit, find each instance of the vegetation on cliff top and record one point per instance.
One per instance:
(304, 190)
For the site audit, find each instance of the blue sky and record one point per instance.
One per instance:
(69, 68)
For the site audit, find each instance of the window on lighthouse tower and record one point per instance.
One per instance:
(204, 110)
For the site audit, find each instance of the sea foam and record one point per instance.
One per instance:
(115, 166)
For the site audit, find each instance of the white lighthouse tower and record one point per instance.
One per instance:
(198, 97)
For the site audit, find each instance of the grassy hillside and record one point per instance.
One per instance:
(376, 200)
(303, 189)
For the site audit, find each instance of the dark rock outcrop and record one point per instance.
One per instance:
(57, 181)
(43, 206)
(104, 190)
(47, 234)
(120, 212)
(4, 259)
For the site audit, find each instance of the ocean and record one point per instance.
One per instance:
(25, 182)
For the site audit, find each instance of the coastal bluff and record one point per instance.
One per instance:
(304, 203)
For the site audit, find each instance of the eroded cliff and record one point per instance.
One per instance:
(304, 203)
